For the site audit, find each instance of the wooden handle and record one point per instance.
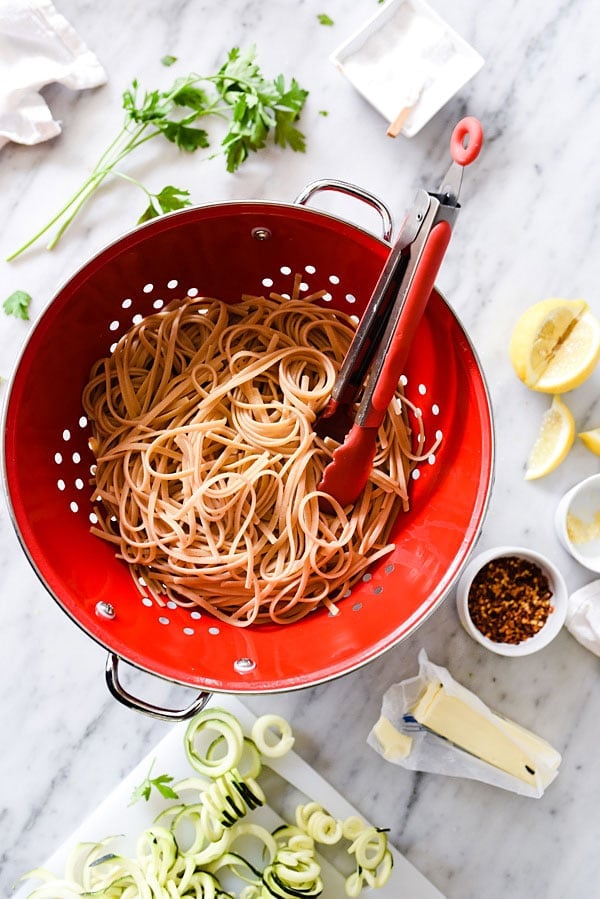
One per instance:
(396, 126)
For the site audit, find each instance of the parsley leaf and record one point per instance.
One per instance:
(17, 304)
(167, 200)
(168, 60)
(186, 138)
(258, 106)
(324, 19)
(161, 783)
(191, 96)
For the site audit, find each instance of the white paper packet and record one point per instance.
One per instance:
(38, 46)
(432, 753)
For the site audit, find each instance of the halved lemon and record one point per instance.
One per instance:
(555, 439)
(555, 345)
(591, 439)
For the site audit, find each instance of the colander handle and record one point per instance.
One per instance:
(140, 705)
(345, 187)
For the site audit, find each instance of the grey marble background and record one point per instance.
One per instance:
(529, 230)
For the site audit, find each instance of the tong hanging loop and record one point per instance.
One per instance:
(466, 141)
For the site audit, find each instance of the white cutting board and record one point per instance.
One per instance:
(116, 816)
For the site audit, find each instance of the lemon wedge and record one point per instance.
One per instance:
(555, 345)
(554, 440)
(591, 439)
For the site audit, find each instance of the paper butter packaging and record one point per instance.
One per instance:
(432, 723)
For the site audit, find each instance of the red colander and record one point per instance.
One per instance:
(226, 250)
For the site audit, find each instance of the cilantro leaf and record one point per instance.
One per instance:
(17, 304)
(324, 19)
(168, 60)
(160, 783)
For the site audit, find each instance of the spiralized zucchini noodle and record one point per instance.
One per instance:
(196, 846)
(207, 464)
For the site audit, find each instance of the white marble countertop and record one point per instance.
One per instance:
(529, 230)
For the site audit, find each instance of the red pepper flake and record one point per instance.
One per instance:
(510, 599)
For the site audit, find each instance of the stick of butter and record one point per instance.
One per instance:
(395, 745)
(493, 739)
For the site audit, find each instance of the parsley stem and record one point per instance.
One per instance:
(103, 167)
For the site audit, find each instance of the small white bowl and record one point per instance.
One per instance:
(553, 623)
(407, 57)
(581, 502)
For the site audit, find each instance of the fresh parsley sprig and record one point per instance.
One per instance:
(256, 107)
(160, 783)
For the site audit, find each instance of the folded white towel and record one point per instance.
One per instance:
(38, 47)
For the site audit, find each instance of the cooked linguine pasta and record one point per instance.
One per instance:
(207, 464)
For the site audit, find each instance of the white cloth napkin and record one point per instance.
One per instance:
(38, 46)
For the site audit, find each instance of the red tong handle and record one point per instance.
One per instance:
(414, 307)
(347, 474)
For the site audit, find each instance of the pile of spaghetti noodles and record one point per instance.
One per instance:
(207, 464)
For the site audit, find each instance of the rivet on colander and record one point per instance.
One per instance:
(261, 234)
(105, 609)
(242, 666)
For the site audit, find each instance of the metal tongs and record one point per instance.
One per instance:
(383, 338)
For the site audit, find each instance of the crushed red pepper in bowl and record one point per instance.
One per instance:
(510, 599)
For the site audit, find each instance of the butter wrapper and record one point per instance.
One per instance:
(432, 723)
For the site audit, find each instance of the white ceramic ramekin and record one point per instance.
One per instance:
(553, 623)
(581, 506)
